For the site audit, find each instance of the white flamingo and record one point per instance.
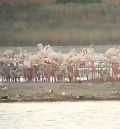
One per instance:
(40, 46)
(112, 52)
(5, 60)
(8, 53)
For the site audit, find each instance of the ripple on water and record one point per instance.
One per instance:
(60, 115)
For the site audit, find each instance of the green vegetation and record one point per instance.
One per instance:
(59, 24)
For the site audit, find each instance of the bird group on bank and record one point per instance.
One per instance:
(44, 64)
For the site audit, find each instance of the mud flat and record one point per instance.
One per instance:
(24, 92)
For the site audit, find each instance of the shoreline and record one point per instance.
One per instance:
(58, 92)
(52, 101)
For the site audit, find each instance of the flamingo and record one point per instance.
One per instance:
(0, 54)
(40, 46)
(34, 59)
(70, 64)
(112, 52)
(8, 53)
(113, 58)
(49, 64)
(5, 60)
(114, 61)
(72, 53)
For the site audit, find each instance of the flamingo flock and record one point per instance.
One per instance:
(44, 64)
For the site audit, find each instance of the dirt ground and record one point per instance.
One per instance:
(17, 92)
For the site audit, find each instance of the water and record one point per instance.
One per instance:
(60, 115)
(63, 49)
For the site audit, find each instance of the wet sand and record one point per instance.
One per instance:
(19, 92)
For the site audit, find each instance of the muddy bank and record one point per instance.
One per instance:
(19, 92)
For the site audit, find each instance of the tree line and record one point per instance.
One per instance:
(79, 1)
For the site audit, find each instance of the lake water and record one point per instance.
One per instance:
(60, 115)
(63, 49)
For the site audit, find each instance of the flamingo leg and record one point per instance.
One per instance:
(113, 72)
(98, 71)
(48, 74)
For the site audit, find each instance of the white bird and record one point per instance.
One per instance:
(5, 60)
(63, 93)
(40, 46)
(8, 53)
(112, 52)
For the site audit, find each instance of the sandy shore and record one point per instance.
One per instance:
(19, 92)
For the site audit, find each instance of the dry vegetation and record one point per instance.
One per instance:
(28, 1)
(111, 1)
(52, 1)
(59, 24)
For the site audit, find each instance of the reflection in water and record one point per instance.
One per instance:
(60, 115)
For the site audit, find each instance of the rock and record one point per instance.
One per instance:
(63, 93)
(5, 97)
(51, 91)
(4, 87)
(78, 97)
(114, 92)
(18, 96)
